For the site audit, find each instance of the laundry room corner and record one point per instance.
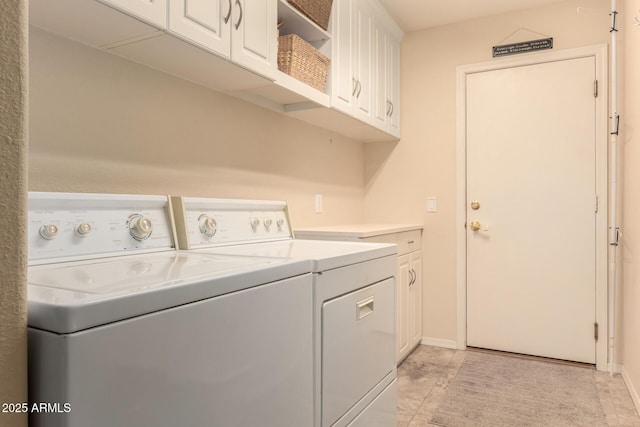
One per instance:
(13, 187)
(423, 164)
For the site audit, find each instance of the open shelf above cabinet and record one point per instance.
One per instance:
(294, 22)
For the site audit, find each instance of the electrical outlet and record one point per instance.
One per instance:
(318, 203)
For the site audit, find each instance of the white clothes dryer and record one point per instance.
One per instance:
(353, 308)
(126, 331)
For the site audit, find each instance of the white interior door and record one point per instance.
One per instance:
(531, 166)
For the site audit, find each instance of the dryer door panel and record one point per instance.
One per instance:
(358, 346)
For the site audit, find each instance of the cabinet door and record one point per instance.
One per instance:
(415, 300)
(151, 11)
(380, 78)
(363, 55)
(203, 22)
(393, 86)
(402, 307)
(254, 42)
(342, 73)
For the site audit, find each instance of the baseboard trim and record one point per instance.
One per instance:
(635, 396)
(438, 342)
(617, 368)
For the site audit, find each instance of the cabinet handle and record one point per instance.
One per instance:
(355, 86)
(359, 89)
(226, 18)
(388, 107)
(413, 277)
(240, 18)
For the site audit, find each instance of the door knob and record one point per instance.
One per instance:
(476, 226)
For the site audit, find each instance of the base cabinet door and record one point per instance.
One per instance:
(408, 303)
(402, 306)
(415, 300)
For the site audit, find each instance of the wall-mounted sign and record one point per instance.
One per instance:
(522, 47)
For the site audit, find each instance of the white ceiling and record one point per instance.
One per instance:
(414, 15)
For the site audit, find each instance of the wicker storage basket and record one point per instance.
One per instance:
(302, 61)
(316, 10)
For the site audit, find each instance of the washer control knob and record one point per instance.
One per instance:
(140, 227)
(254, 223)
(83, 229)
(48, 231)
(280, 223)
(267, 223)
(208, 225)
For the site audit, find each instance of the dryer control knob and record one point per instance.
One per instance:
(208, 225)
(48, 231)
(254, 223)
(267, 223)
(140, 227)
(83, 229)
(280, 223)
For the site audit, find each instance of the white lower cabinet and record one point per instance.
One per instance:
(414, 299)
(408, 290)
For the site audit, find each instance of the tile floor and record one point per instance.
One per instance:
(423, 378)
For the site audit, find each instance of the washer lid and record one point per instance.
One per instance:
(73, 296)
(323, 255)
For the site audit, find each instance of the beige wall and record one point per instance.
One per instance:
(99, 123)
(13, 186)
(630, 149)
(400, 178)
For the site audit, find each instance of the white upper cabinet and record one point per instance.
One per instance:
(151, 11)
(380, 77)
(232, 46)
(386, 81)
(254, 43)
(393, 86)
(363, 54)
(366, 64)
(240, 30)
(205, 22)
(352, 60)
(342, 63)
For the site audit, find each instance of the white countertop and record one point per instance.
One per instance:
(359, 231)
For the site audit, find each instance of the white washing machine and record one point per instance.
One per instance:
(353, 308)
(126, 331)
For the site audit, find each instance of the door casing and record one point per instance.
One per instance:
(599, 52)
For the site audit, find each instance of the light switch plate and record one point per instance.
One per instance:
(318, 203)
(432, 204)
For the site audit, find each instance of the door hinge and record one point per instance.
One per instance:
(595, 88)
(595, 331)
(596, 204)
